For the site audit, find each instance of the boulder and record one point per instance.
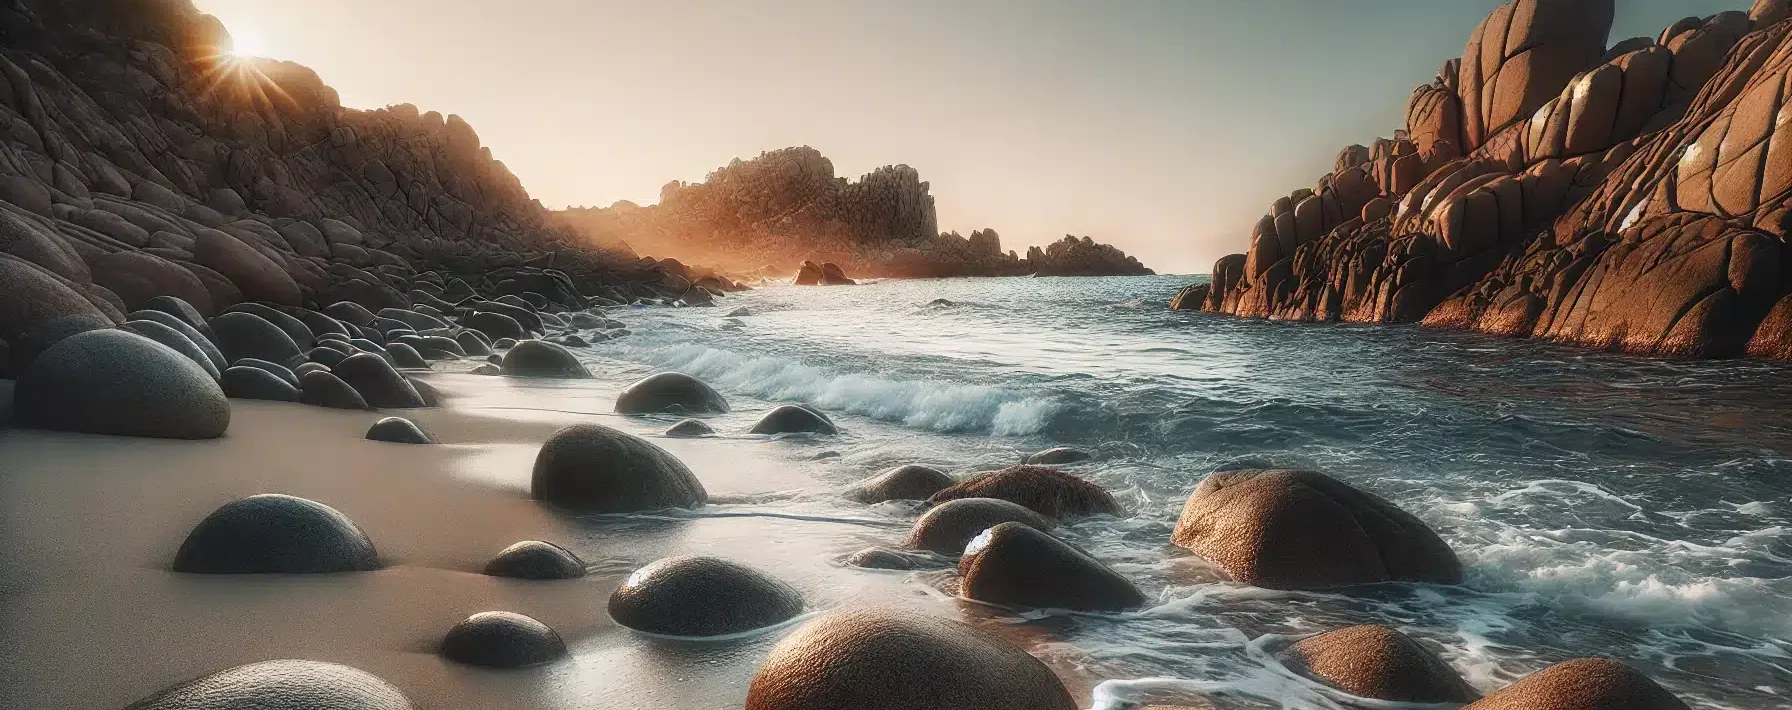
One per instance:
(138, 277)
(536, 358)
(328, 357)
(323, 389)
(885, 558)
(1015, 565)
(242, 382)
(833, 275)
(601, 470)
(275, 534)
(320, 325)
(702, 597)
(349, 312)
(911, 482)
(690, 429)
(473, 343)
(33, 341)
(181, 309)
(30, 296)
(1046, 491)
(307, 368)
(199, 339)
(1304, 530)
(809, 274)
(259, 278)
(411, 318)
(280, 685)
(281, 371)
(670, 392)
(398, 430)
(876, 659)
(379, 384)
(174, 340)
(502, 639)
(1582, 684)
(296, 329)
(791, 419)
(1059, 455)
(242, 335)
(1379, 663)
(947, 528)
(123, 384)
(534, 559)
(406, 356)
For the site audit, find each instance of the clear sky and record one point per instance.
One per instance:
(1165, 127)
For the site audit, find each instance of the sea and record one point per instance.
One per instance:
(1602, 504)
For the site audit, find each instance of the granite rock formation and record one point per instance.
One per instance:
(1629, 196)
(768, 215)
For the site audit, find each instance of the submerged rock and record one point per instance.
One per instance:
(598, 469)
(123, 384)
(948, 527)
(1017, 565)
(702, 597)
(1379, 663)
(1583, 684)
(538, 358)
(793, 419)
(323, 389)
(376, 381)
(690, 429)
(405, 356)
(276, 534)
(1059, 455)
(534, 559)
(280, 685)
(1046, 491)
(670, 391)
(911, 482)
(398, 430)
(502, 639)
(879, 659)
(1305, 530)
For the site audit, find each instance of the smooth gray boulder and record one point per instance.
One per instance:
(539, 358)
(199, 338)
(502, 639)
(702, 597)
(670, 392)
(123, 384)
(599, 469)
(690, 429)
(174, 340)
(242, 382)
(534, 559)
(281, 685)
(323, 389)
(398, 430)
(793, 419)
(276, 534)
(379, 384)
(242, 335)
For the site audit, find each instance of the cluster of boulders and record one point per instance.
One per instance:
(785, 207)
(1548, 185)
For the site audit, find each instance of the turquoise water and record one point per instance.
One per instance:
(1602, 504)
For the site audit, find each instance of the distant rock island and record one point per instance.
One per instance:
(1631, 197)
(770, 214)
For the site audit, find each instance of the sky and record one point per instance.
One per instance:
(1164, 127)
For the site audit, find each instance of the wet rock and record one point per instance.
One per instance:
(1046, 491)
(791, 419)
(809, 274)
(184, 311)
(1583, 684)
(536, 358)
(911, 482)
(1305, 530)
(833, 275)
(877, 659)
(702, 597)
(280, 685)
(296, 329)
(495, 325)
(1059, 455)
(241, 382)
(1016, 565)
(328, 357)
(309, 367)
(886, 558)
(1379, 663)
(502, 639)
(947, 528)
(398, 430)
(378, 383)
(198, 338)
(473, 343)
(324, 389)
(670, 391)
(242, 335)
(405, 356)
(349, 312)
(598, 469)
(503, 344)
(534, 559)
(690, 429)
(275, 534)
(174, 340)
(123, 384)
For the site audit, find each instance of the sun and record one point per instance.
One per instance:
(246, 44)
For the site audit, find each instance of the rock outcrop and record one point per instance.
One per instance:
(769, 215)
(1631, 197)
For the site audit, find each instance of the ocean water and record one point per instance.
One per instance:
(1602, 504)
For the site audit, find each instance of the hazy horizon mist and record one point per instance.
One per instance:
(1164, 128)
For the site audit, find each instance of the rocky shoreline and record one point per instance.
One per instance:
(1629, 197)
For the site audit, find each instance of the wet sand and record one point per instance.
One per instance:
(95, 619)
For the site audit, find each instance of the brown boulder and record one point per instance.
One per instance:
(1379, 663)
(1305, 530)
(809, 275)
(137, 277)
(31, 296)
(1046, 491)
(258, 276)
(1522, 55)
(1582, 684)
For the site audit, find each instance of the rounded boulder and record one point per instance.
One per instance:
(598, 469)
(1582, 684)
(281, 685)
(911, 482)
(379, 384)
(1046, 491)
(702, 597)
(794, 419)
(1016, 565)
(948, 527)
(1379, 663)
(243, 382)
(398, 430)
(502, 639)
(324, 389)
(890, 660)
(242, 335)
(199, 338)
(175, 341)
(259, 278)
(1059, 455)
(276, 534)
(123, 384)
(534, 559)
(539, 358)
(690, 429)
(670, 392)
(1305, 530)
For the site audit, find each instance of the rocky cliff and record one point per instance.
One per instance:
(786, 206)
(139, 159)
(1632, 196)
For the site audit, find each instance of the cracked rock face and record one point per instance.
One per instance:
(1630, 197)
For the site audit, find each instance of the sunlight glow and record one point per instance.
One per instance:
(247, 43)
